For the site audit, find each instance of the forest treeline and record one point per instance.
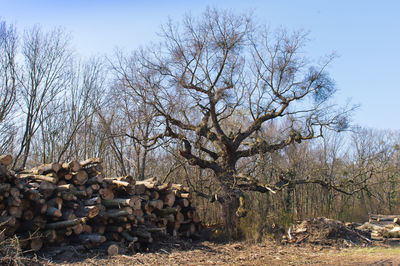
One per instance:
(201, 116)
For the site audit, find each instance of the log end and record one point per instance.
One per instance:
(113, 250)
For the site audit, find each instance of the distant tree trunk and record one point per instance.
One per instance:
(143, 166)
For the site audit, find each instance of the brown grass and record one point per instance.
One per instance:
(11, 253)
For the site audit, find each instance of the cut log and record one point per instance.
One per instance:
(87, 211)
(106, 193)
(92, 238)
(163, 187)
(71, 205)
(17, 202)
(52, 211)
(156, 204)
(142, 233)
(47, 188)
(137, 203)
(150, 183)
(93, 201)
(119, 212)
(72, 166)
(15, 211)
(167, 211)
(97, 179)
(140, 189)
(4, 188)
(393, 233)
(89, 191)
(68, 196)
(66, 187)
(91, 161)
(28, 215)
(121, 183)
(68, 215)
(68, 176)
(45, 169)
(80, 177)
(185, 195)
(3, 172)
(114, 228)
(99, 229)
(95, 187)
(113, 250)
(129, 237)
(119, 219)
(50, 235)
(39, 177)
(55, 202)
(7, 220)
(6, 160)
(78, 229)
(36, 244)
(73, 249)
(177, 187)
(64, 224)
(94, 169)
(32, 194)
(184, 203)
(169, 199)
(179, 217)
(381, 216)
(138, 213)
(14, 192)
(87, 228)
(118, 202)
(155, 195)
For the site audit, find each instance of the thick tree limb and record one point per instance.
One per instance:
(251, 184)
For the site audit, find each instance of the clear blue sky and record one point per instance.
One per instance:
(365, 34)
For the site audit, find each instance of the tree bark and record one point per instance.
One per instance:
(229, 200)
(229, 206)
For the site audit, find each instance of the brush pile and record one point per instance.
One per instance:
(73, 204)
(327, 232)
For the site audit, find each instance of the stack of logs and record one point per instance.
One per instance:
(74, 204)
(383, 227)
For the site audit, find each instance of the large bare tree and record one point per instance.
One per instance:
(217, 80)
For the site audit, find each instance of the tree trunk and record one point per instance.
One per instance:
(229, 206)
(229, 201)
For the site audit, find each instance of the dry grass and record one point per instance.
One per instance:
(211, 253)
(11, 253)
(244, 253)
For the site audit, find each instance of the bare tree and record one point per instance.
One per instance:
(44, 75)
(129, 126)
(223, 67)
(63, 118)
(82, 100)
(8, 81)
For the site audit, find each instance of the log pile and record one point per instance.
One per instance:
(383, 227)
(63, 204)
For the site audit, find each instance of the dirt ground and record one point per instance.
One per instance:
(240, 253)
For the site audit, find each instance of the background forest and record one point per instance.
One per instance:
(56, 106)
